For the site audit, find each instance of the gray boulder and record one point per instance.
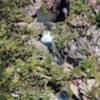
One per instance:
(38, 48)
(82, 46)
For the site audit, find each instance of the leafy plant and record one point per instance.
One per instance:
(78, 7)
(95, 18)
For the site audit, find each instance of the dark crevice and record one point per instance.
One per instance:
(64, 4)
(54, 86)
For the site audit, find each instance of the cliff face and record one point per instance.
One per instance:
(50, 49)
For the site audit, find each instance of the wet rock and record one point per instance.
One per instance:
(58, 10)
(47, 40)
(55, 60)
(62, 95)
(49, 15)
(46, 17)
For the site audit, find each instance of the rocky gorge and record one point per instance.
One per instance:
(50, 50)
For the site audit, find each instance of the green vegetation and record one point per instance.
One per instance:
(78, 7)
(20, 71)
(95, 18)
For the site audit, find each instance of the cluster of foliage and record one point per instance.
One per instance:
(95, 18)
(78, 7)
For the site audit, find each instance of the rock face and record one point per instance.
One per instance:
(98, 8)
(49, 3)
(91, 2)
(57, 63)
(78, 86)
(31, 9)
(82, 46)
